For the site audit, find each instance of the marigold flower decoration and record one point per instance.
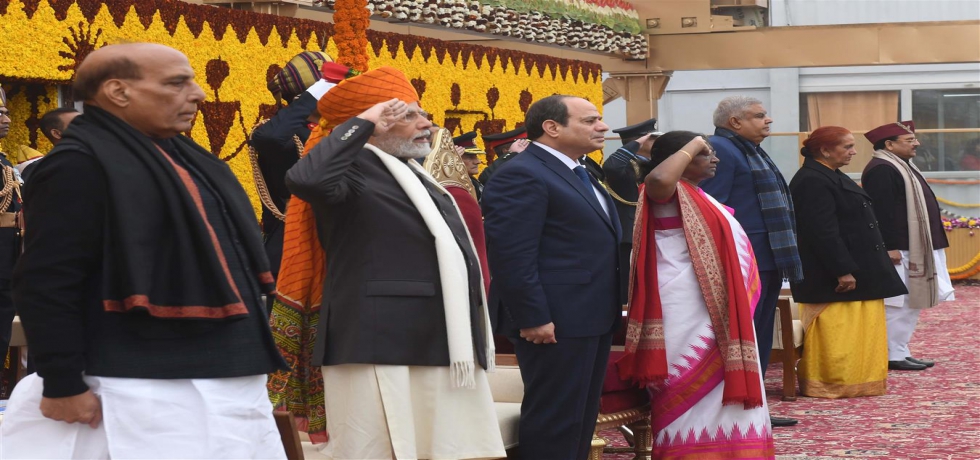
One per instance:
(352, 19)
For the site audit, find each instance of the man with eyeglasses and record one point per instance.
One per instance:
(749, 182)
(912, 228)
(403, 335)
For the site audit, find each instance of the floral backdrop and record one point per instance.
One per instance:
(234, 53)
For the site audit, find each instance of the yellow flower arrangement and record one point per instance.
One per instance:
(233, 53)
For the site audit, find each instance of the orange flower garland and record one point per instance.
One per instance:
(352, 19)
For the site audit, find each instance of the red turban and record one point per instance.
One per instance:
(890, 130)
(354, 95)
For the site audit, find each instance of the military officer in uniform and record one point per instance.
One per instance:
(472, 157)
(9, 229)
(505, 146)
(622, 179)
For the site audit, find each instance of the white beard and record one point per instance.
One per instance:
(401, 148)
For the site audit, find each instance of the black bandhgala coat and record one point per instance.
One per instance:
(838, 235)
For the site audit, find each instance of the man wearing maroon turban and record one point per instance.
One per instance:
(910, 224)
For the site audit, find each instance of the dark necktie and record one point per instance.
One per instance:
(583, 175)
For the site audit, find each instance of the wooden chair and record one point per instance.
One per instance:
(14, 371)
(788, 330)
(286, 423)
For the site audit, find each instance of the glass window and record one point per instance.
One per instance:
(948, 109)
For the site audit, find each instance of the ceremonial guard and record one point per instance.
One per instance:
(472, 158)
(622, 179)
(9, 228)
(505, 146)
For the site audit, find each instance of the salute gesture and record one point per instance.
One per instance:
(384, 115)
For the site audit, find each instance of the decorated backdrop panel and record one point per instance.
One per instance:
(234, 52)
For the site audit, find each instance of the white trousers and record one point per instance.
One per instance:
(382, 412)
(901, 324)
(144, 418)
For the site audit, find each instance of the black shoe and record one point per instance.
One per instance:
(905, 366)
(782, 421)
(923, 362)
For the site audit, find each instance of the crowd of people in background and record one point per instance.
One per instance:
(389, 268)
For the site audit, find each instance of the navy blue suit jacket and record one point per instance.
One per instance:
(553, 251)
(733, 186)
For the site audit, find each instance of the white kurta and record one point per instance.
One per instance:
(145, 418)
(407, 412)
(942, 278)
(902, 317)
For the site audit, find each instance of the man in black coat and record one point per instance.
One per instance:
(622, 170)
(890, 178)
(140, 284)
(403, 317)
(9, 229)
(278, 141)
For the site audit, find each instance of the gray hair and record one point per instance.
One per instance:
(732, 106)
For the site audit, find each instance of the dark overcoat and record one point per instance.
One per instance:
(838, 235)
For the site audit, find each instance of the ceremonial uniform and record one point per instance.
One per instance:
(10, 202)
(622, 180)
(466, 142)
(499, 144)
(277, 143)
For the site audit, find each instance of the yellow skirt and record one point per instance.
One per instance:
(845, 349)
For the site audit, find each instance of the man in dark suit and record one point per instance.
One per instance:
(622, 170)
(748, 181)
(552, 234)
(278, 142)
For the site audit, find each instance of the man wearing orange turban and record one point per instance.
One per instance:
(404, 330)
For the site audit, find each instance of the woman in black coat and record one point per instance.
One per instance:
(846, 274)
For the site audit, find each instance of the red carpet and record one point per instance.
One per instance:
(931, 414)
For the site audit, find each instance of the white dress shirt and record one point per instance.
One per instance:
(601, 197)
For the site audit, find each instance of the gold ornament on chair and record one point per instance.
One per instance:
(445, 165)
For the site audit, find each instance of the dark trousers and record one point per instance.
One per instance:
(562, 386)
(765, 314)
(625, 249)
(7, 313)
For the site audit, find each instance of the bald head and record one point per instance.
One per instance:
(147, 85)
(107, 63)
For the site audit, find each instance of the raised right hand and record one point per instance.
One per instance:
(82, 408)
(384, 115)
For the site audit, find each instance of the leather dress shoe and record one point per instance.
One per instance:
(924, 362)
(782, 421)
(905, 366)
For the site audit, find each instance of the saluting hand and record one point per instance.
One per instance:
(385, 115)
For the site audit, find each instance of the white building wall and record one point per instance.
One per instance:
(829, 12)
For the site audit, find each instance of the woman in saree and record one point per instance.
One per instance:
(690, 338)
(846, 274)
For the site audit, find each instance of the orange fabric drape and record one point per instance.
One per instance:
(856, 111)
